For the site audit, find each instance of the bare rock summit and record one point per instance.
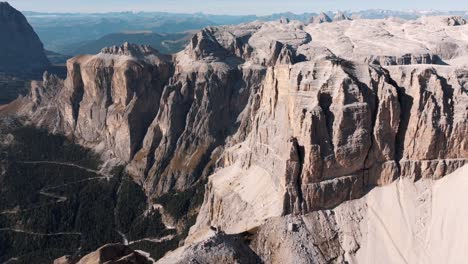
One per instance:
(340, 16)
(456, 21)
(321, 18)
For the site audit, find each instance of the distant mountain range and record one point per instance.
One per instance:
(259, 143)
(407, 14)
(66, 32)
(166, 43)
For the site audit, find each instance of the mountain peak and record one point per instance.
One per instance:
(5, 4)
(321, 18)
(456, 21)
(7, 10)
(130, 49)
(340, 16)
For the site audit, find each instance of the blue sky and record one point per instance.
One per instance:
(260, 7)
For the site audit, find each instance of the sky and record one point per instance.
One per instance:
(235, 7)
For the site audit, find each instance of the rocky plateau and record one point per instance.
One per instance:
(314, 143)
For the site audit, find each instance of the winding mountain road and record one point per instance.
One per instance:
(46, 191)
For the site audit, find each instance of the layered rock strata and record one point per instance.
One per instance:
(279, 118)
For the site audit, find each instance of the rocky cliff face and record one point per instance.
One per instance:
(358, 127)
(278, 118)
(404, 222)
(21, 51)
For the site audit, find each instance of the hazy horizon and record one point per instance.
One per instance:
(223, 7)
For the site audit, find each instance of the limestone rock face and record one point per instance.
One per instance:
(354, 129)
(398, 223)
(115, 254)
(108, 100)
(404, 222)
(278, 118)
(21, 51)
(220, 248)
(63, 260)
